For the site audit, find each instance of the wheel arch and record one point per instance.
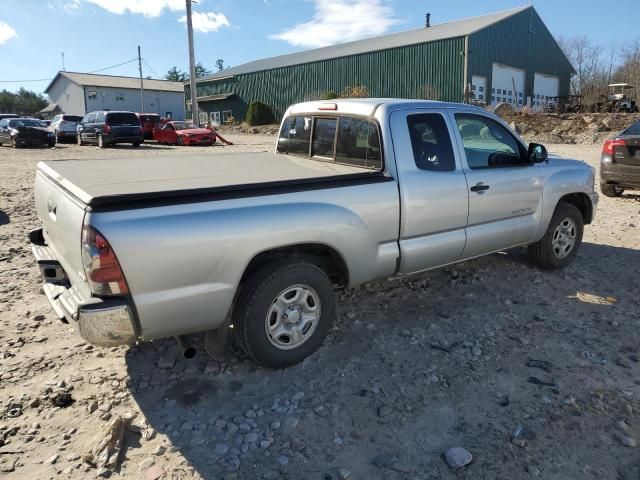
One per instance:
(582, 202)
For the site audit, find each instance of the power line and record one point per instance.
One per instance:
(49, 79)
(149, 67)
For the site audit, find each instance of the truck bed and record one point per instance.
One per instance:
(128, 183)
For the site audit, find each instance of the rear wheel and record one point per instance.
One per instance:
(284, 312)
(561, 242)
(611, 190)
(101, 143)
(135, 144)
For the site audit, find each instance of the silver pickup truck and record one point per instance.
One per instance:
(357, 190)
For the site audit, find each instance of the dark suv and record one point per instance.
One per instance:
(620, 162)
(108, 128)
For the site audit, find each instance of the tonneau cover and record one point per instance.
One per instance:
(92, 180)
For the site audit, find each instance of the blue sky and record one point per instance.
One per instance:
(95, 34)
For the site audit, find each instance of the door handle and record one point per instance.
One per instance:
(479, 187)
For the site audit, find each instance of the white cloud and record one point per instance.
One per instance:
(148, 8)
(6, 32)
(72, 6)
(207, 22)
(338, 21)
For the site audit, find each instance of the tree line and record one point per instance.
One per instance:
(23, 102)
(598, 66)
(176, 75)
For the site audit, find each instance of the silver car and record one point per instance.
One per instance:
(64, 127)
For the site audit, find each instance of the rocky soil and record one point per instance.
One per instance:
(490, 369)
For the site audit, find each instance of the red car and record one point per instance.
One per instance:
(183, 133)
(148, 122)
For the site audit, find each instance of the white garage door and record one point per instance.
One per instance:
(507, 85)
(544, 86)
(479, 88)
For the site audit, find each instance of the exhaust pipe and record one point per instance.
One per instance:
(187, 349)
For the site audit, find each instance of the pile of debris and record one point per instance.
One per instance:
(575, 128)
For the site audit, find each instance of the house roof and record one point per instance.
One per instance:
(93, 80)
(456, 28)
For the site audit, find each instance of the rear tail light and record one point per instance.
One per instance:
(609, 146)
(101, 265)
(107, 128)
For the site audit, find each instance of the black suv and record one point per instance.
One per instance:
(108, 128)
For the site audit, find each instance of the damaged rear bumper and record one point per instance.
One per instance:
(100, 321)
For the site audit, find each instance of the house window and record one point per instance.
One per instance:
(92, 95)
(119, 97)
(204, 118)
(481, 97)
(227, 115)
(481, 88)
(499, 91)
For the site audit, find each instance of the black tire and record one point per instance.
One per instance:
(101, 143)
(135, 144)
(79, 140)
(260, 292)
(180, 141)
(611, 190)
(544, 253)
(51, 144)
(13, 143)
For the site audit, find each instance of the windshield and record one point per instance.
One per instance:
(25, 122)
(123, 118)
(184, 125)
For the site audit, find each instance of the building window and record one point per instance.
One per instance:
(227, 116)
(520, 94)
(481, 88)
(119, 97)
(92, 95)
(204, 118)
(473, 88)
(499, 92)
(510, 92)
(481, 97)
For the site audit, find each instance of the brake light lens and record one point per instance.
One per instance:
(609, 146)
(101, 265)
(107, 128)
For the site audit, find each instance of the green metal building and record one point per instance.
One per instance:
(508, 56)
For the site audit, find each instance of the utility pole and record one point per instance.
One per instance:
(63, 69)
(141, 84)
(192, 68)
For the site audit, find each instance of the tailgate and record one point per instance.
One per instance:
(125, 130)
(62, 217)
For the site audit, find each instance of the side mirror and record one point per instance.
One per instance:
(537, 153)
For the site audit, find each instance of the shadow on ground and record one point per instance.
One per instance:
(399, 379)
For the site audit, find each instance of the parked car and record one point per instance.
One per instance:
(64, 127)
(108, 128)
(182, 133)
(25, 132)
(148, 121)
(620, 162)
(356, 191)
(8, 115)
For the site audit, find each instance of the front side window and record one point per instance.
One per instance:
(487, 144)
(431, 142)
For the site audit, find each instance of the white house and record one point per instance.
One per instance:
(78, 93)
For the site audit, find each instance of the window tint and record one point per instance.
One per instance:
(487, 143)
(71, 118)
(324, 136)
(122, 118)
(358, 143)
(99, 117)
(431, 143)
(91, 118)
(295, 136)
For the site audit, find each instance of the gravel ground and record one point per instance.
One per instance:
(521, 372)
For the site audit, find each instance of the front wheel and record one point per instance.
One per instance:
(561, 242)
(284, 312)
(610, 190)
(180, 141)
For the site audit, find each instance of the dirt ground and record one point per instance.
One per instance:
(534, 373)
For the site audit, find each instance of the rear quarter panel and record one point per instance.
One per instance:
(183, 262)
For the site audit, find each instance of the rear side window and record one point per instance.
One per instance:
(295, 136)
(99, 117)
(149, 118)
(122, 118)
(431, 142)
(358, 143)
